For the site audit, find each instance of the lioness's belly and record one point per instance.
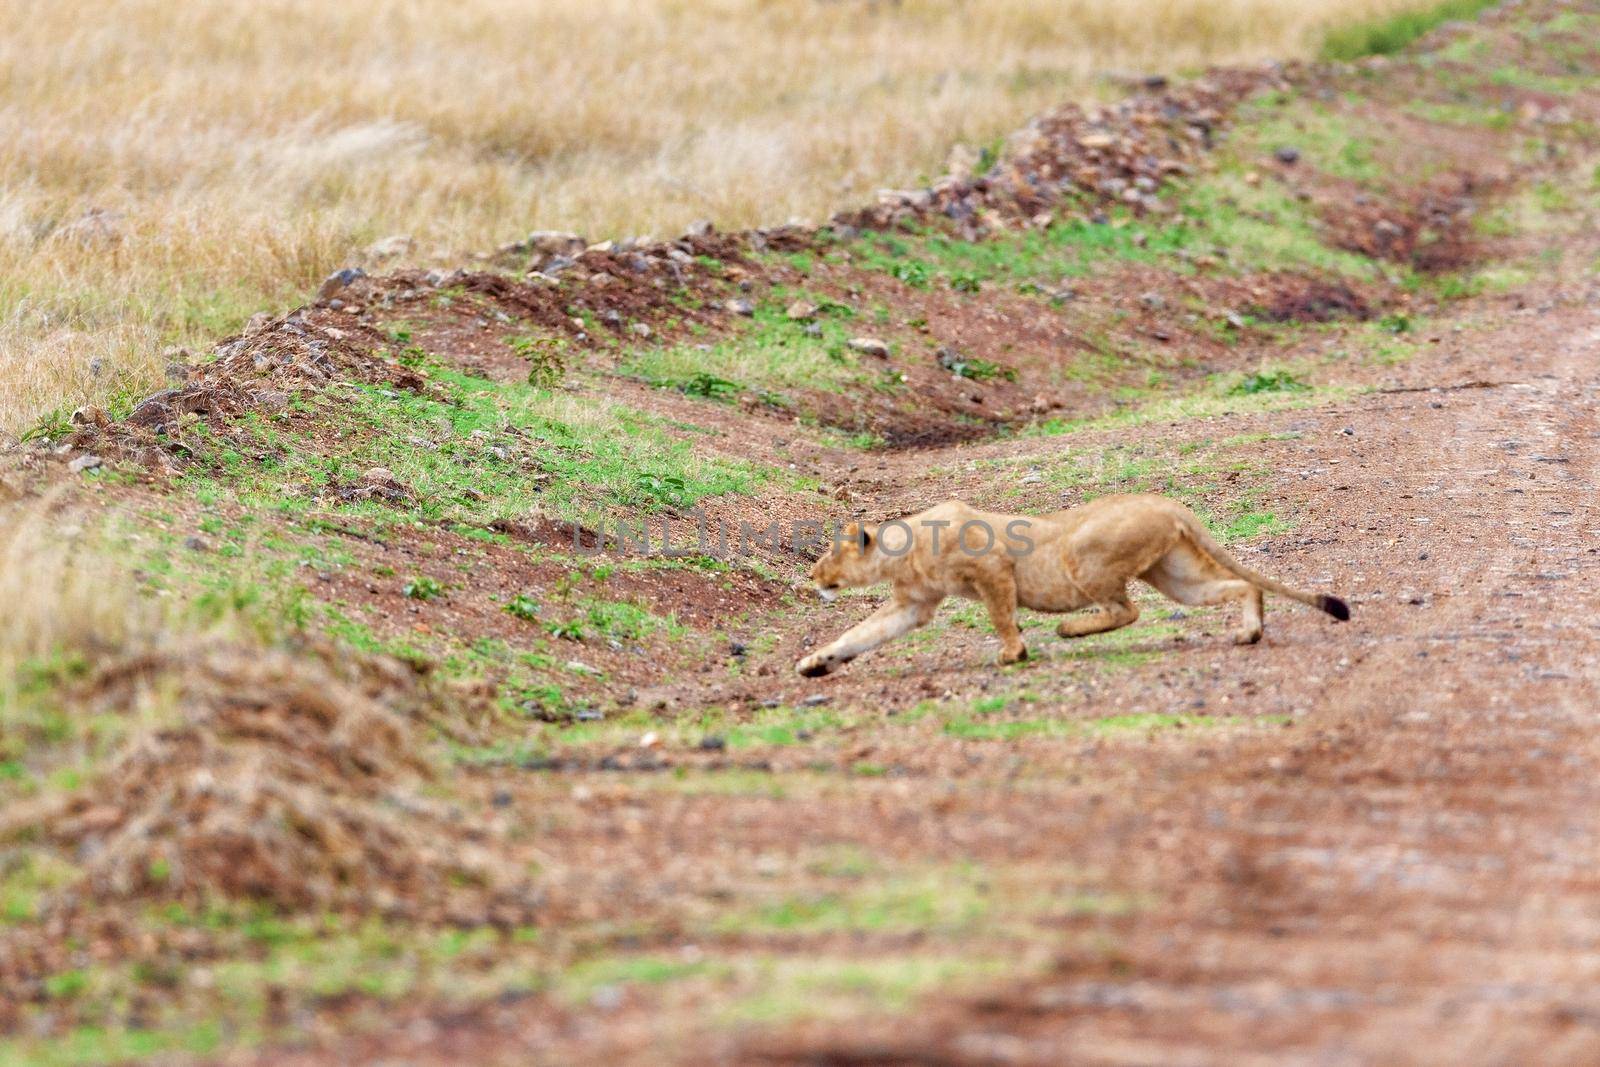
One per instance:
(1045, 581)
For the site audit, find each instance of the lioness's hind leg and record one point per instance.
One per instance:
(1105, 617)
(1191, 578)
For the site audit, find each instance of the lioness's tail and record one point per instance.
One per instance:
(1202, 537)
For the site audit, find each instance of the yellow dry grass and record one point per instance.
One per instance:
(167, 168)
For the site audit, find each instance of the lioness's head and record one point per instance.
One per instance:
(848, 563)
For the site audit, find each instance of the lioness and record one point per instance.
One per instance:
(1082, 558)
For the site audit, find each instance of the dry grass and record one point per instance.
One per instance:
(215, 765)
(168, 168)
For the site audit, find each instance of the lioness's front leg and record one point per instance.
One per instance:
(885, 624)
(999, 595)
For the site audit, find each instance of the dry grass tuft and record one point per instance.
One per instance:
(166, 169)
(291, 776)
(275, 781)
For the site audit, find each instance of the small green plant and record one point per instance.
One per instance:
(966, 283)
(66, 985)
(422, 588)
(913, 273)
(1395, 322)
(668, 488)
(1276, 381)
(523, 607)
(709, 386)
(570, 630)
(546, 361)
(972, 368)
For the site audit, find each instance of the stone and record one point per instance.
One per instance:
(86, 462)
(338, 281)
(554, 243)
(740, 307)
(1152, 301)
(641, 329)
(869, 346)
(1287, 155)
(800, 311)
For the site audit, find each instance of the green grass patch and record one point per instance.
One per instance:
(1390, 35)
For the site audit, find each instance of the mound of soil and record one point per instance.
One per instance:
(273, 779)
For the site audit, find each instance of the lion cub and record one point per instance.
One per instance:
(1065, 561)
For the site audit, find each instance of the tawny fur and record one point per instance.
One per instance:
(1079, 559)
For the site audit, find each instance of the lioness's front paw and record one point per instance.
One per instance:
(1013, 655)
(1247, 637)
(815, 665)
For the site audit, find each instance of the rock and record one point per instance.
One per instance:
(1386, 232)
(801, 311)
(258, 322)
(650, 740)
(812, 329)
(641, 329)
(377, 483)
(1032, 478)
(398, 244)
(579, 667)
(712, 743)
(869, 346)
(1287, 155)
(740, 307)
(195, 543)
(555, 243)
(90, 416)
(611, 317)
(339, 280)
(815, 699)
(86, 462)
(1152, 301)
(700, 228)
(1096, 140)
(556, 264)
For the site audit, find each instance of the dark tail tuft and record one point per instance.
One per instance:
(1335, 607)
